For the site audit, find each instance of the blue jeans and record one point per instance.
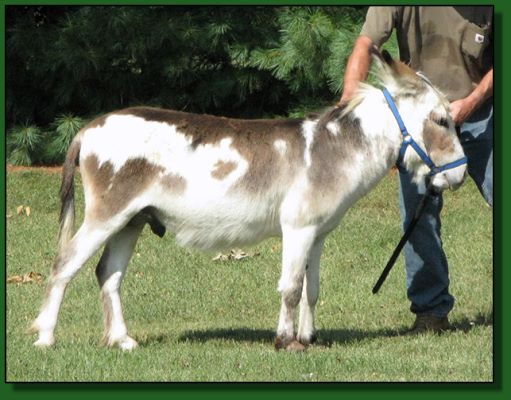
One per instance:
(427, 273)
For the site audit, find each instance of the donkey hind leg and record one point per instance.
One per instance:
(306, 330)
(296, 247)
(87, 240)
(110, 272)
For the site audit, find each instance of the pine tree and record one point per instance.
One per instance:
(311, 54)
(233, 61)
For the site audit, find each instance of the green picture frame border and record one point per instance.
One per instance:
(497, 390)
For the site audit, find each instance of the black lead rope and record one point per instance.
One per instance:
(420, 209)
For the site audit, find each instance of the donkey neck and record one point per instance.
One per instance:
(380, 138)
(349, 154)
(379, 126)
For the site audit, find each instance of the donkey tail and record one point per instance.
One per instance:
(67, 194)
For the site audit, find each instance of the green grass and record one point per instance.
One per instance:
(203, 320)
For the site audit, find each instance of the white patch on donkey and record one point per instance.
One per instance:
(308, 134)
(218, 182)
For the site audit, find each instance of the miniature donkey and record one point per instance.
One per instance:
(218, 182)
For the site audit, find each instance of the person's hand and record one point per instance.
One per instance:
(460, 110)
(463, 108)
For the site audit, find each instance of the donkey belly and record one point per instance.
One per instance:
(214, 224)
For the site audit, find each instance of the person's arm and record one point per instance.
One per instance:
(357, 67)
(463, 108)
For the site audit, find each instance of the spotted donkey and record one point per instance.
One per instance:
(218, 182)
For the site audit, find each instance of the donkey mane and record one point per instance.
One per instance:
(340, 124)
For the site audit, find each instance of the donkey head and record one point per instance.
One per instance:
(424, 111)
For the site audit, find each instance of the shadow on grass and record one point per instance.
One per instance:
(236, 335)
(326, 337)
(467, 324)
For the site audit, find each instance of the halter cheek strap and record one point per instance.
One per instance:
(409, 141)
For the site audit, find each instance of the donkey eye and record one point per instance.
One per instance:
(442, 122)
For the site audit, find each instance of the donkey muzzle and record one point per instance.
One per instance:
(449, 179)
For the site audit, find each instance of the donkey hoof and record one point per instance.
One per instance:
(288, 344)
(306, 341)
(127, 344)
(123, 342)
(282, 342)
(295, 346)
(44, 342)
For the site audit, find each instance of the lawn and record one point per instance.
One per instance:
(199, 319)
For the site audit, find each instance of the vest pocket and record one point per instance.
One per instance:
(474, 40)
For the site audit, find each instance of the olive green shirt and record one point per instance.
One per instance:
(452, 46)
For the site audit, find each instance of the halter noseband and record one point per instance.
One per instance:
(409, 141)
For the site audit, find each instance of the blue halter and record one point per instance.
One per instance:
(409, 141)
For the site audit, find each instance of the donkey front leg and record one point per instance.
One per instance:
(306, 330)
(296, 246)
(110, 272)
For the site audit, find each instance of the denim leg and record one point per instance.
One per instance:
(476, 137)
(427, 275)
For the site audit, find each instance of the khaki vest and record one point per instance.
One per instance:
(452, 46)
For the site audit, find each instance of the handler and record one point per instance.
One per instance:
(453, 47)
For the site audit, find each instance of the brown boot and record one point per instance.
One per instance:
(429, 323)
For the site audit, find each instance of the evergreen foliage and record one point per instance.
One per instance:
(232, 61)
(311, 54)
(64, 129)
(23, 144)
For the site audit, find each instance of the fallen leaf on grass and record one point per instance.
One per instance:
(29, 277)
(23, 210)
(276, 248)
(234, 254)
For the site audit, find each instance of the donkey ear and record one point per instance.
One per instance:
(387, 58)
(382, 64)
(384, 60)
(375, 52)
(383, 57)
(396, 69)
(399, 69)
